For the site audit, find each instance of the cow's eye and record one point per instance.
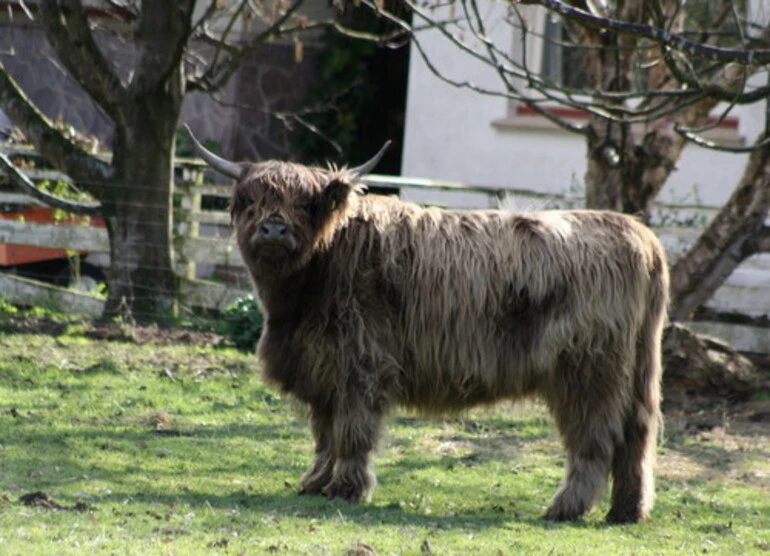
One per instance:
(240, 203)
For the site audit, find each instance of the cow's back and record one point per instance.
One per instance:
(484, 304)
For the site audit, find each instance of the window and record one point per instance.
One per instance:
(552, 50)
(562, 62)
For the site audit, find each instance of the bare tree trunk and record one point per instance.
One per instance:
(611, 158)
(728, 240)
(626, 171)
(141, 279)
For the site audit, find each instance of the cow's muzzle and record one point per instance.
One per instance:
(272, 230)
(274, 236)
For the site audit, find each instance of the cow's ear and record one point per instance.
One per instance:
(335, 195)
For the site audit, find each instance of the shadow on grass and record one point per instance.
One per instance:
(186, 479)
(174, 467)
(718, 450)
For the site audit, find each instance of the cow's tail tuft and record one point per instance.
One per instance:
(634, 460)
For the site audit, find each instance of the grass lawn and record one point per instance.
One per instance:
(117, 446)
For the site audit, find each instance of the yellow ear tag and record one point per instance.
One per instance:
(333, 204)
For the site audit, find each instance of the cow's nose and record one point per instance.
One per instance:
(273, 230)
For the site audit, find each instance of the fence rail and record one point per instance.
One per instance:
(204, 247)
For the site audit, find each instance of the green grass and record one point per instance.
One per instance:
(180, 449)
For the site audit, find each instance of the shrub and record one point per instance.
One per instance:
(242, 323)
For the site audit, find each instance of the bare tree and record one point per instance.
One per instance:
(174, 49)
(656, 75)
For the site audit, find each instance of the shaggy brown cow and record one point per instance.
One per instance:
(372, 302)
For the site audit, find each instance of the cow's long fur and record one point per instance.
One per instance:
(371, 302)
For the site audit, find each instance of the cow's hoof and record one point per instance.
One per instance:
(556, 514)
(310, 487)
(309, 492)
(348, 493)
(620, 517)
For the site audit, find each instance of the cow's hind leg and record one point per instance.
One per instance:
(356, 430)
(588, 413)
(632, 467)
(320, 474)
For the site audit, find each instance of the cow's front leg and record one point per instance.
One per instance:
(356, 430)
(320, 474)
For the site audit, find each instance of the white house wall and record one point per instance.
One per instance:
(450, 135)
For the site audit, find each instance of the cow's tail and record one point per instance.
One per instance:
(632, 467)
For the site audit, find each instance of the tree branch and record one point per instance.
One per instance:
(656, 34)
(207, 14)
(696, 139)
(161, 36)
(222, 43)
(511, 91)
(216, 76)
(125, 9)
(49, 142)
(88, 209)
(725, 242)
(66, 27)
(757, 243)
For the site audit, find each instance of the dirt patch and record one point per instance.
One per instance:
(728, 443)
(154, 334)
(32, 325)
(41, 500)
(136, 333)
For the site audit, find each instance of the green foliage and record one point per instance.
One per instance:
(242, 323)
(7, 308)
(337, 105)
(183, 147)
(9, 312)
(64, 190)
(360, 92)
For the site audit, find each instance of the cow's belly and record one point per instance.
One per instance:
(456, 375)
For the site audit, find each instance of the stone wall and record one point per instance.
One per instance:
(240, 119)
(271, 83)
(245, 119)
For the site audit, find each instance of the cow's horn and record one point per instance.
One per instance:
(369, 165)
(229, 169)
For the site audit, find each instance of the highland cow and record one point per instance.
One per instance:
(371, 302)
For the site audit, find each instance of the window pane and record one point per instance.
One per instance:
(562, 62)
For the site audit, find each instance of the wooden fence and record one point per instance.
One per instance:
(204, 248)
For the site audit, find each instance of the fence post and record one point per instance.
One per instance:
(189, 227)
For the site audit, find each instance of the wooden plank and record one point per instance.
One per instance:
(753, 301)
(398, 182)
(59, 236)
(19, 149)
(191, 202)
(19, 199)
(218, 218)
(214, 190)
(23, 291)
(45, 175)
(215, 251)
(195, 163)
(211, 217)
(207, 294)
